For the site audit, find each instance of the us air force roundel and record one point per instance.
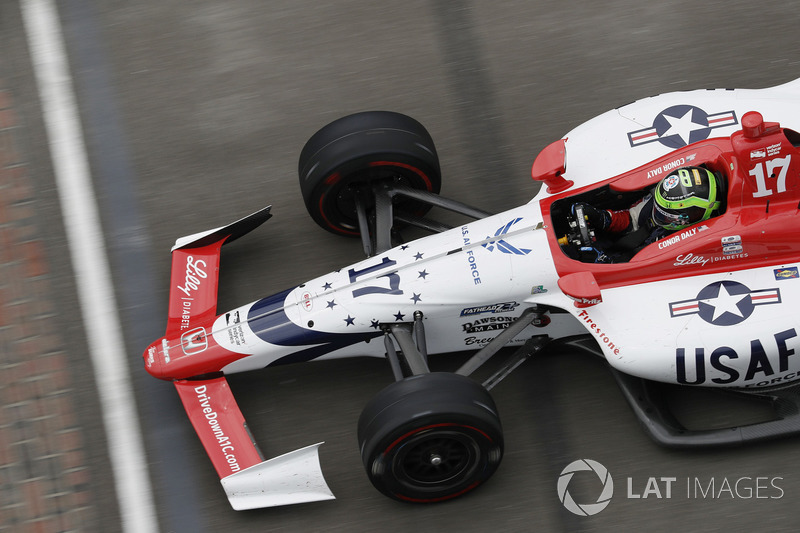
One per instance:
(679, 125)
(725, 303)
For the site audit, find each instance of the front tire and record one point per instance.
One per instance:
(430, 438)
(360, 150)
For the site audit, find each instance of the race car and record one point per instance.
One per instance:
(711, 305)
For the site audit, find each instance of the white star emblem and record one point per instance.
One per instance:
(725, 302)
(682, 126)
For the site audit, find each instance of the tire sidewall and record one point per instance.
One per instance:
(358, 149)
(428, 407)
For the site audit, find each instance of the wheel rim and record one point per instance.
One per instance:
(343, 197)
(436, 460)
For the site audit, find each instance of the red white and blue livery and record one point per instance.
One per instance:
(712, 305)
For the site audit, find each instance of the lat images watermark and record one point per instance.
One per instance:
(586, 509)
(661, 487)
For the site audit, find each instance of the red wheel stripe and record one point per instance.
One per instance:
(328, 222)
(392, 445)
(335, 177)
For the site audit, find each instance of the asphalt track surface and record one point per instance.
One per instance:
(194, 114)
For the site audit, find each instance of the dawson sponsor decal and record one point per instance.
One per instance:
(503, 307)
(491, 323)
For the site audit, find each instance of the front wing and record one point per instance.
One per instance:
(248, 480)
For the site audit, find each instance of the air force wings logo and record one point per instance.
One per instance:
(725, 303)
(679, 125)
(502, 245)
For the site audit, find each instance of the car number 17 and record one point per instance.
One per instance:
(761, 176)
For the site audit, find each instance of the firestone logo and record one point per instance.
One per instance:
(585, 509)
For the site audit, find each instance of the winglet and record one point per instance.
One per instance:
(228, 233)
(295, 477)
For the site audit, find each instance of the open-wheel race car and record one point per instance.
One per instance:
(711, 303)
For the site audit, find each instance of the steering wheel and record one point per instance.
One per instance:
(583, 227)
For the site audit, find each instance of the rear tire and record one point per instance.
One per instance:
(430, 438)
(362, 149)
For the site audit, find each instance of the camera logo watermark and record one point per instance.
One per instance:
(585, 509)
(661, 487)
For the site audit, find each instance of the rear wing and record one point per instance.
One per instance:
(249, 481)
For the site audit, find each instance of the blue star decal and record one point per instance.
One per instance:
(326, 286)
(350, 320)
(332, 304)
(399, 316)
(404, 247)
(423, 274)
(417, 256)
(416, 298)
(375, 324)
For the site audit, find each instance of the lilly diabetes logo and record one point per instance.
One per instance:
(596, 469)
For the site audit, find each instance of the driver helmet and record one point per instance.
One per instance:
(685, 197)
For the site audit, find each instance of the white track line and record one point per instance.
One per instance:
(89, 261)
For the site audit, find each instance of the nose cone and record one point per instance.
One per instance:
(154, 359)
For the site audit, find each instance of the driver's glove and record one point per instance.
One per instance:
(598, 219)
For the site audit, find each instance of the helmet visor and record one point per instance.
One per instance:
(669, 219)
